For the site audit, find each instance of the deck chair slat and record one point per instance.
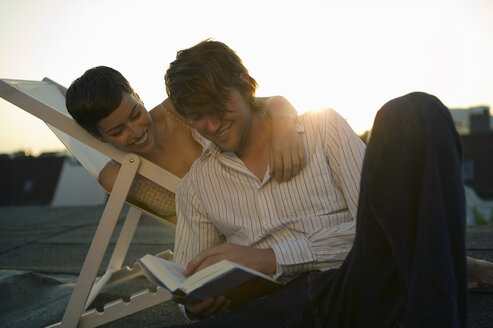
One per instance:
(46, 101)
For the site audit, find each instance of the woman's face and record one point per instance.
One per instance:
(128, 127)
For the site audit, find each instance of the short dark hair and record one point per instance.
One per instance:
(201, 77)
(95, 95)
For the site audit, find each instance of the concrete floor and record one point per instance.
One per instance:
(42, 250)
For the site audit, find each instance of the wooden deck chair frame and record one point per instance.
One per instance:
(88, 286)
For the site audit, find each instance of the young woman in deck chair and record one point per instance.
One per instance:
(103, 102)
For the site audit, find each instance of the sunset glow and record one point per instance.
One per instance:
(352, 56)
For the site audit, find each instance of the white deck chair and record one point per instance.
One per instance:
(46, 100)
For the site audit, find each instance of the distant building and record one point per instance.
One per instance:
(478, 163)
(51, 179)
(475, 125)
(472, 120)
(480, 121)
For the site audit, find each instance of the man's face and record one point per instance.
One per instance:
(230, 129)
(128, 127)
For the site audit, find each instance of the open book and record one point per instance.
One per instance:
(238, 283)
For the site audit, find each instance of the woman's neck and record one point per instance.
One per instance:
(174, 149)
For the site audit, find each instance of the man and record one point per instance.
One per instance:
(407, 265)
(229, 200)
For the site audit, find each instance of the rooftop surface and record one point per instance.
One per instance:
(42, 250)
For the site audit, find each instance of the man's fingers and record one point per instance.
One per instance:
(216, 306)
(198, 262)
(202, 308)
(207, 262)
(209, 306)
(195, 308)
(225, 306)
(203, 260)
(192, 266)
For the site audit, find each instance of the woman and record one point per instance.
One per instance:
(103, 102)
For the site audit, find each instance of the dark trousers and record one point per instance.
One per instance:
(407, 267)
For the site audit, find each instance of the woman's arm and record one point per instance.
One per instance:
(143, 193)
(286, 150)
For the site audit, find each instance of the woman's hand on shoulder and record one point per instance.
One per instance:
(286, 156)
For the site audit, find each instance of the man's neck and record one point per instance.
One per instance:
(255, 154)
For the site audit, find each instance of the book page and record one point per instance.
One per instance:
(162, 272)
(199, 278)
(173, 269)
(236, 273)
(236, 282)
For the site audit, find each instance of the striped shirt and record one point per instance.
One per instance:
(309, 221)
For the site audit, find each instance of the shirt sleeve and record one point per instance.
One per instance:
(194, 231)
(327, 248)
(345, 152)
(323, 249)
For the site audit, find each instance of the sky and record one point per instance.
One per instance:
(350, 55)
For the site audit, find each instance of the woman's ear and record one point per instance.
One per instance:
(96, 134)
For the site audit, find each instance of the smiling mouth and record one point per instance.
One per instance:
(223, 132)
(141, 140)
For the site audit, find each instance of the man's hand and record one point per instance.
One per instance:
(262, 260)
(208, 307)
